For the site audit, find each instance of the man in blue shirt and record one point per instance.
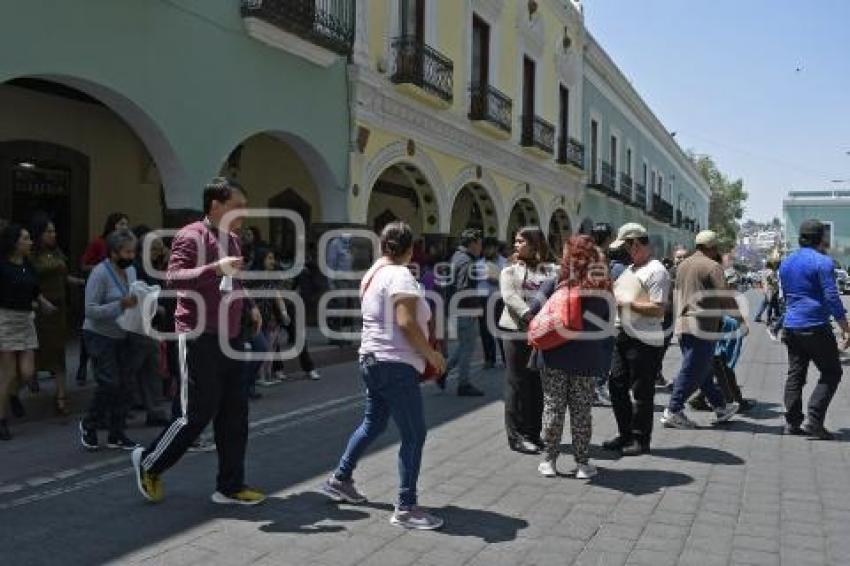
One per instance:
(811, 297)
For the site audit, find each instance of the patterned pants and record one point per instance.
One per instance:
(562, 391)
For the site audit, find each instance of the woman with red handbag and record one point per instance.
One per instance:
(569, 335)
(394, 353)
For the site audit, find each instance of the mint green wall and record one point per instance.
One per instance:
(189, 80)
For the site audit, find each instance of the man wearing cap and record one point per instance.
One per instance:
(811, 297)
(702, 298)
(641, 292)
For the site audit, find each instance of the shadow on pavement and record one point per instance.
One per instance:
(639, 482)
(301, 513)
(764, 411)
(701, 454)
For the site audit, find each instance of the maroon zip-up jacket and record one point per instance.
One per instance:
(192, 270)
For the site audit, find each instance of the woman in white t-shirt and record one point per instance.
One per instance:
(394, 351)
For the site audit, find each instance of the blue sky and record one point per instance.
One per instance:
(722, 74)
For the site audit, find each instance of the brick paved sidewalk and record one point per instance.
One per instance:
(738, 494)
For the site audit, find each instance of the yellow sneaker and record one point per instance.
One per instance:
(150, 485)
(245, 496)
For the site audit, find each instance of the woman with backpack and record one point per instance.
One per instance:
(569, 335)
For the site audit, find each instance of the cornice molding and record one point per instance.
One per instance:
(600, 62)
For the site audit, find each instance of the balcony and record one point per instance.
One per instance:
(661, 209)
(487, 104)
(570, 152)
(603, 181)
(626, 184)
(424, 67)
(316, 30)
(538, 133)
(640, 197)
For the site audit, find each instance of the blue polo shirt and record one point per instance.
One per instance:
(811, 295)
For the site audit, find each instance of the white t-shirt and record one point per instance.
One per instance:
(381, 334)
(650, 282)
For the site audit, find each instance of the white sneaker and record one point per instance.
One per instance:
(676, 420)
(585, 471)
(547, 469)
(280, 375)
(315, 375)
(725, 413)
(415, 518)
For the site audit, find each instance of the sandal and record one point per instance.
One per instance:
(61, 406)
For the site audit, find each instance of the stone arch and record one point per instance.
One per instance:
(467, 176)
(402, 192)
(560, 228)
(171, 170)
(524, 211)
(519, 193)
(393, 154)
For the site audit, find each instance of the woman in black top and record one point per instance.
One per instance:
(19, 296)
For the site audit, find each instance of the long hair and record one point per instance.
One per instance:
(533, 235)
(38, 226)
(111, 221)
(583, 266)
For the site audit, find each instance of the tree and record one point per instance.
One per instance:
(727, 200)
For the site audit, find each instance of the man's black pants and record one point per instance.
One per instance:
(523, 394)
(633, 374)
(818, 345)
(210, 389)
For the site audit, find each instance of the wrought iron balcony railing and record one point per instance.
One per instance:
(423, 66)
(661, 209)
(626, 187)
(571, 152)
(603, 180)
(489, 104)
(640, 196)
(537, 132)
(328, 23)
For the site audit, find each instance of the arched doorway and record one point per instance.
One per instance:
(79, 151)
(559, 230)
(586, 226)
(474, 208)
(523, 213)
(275, 176)
(402, 192)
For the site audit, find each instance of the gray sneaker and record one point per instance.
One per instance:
(725, 413)
(339, 490)
(415, 518)
(676, 420)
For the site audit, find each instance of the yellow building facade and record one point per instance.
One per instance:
(470, 113)
(459, 108)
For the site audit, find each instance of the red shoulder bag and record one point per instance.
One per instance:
(558, 320)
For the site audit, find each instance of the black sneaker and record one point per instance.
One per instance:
(616, 444)
(17, 407)
(816, 432)
(88, 437)
(121, 443)
(793, 430)
(699, 404)
(469, 391)
(635, 448)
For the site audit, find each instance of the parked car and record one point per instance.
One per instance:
(841, 280)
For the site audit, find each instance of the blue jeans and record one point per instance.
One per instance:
(251, 368)
(697, 372)
(461, 357)
(392, 390)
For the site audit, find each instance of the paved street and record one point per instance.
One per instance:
(740, 494)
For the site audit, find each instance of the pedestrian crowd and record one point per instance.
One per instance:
(579, 323)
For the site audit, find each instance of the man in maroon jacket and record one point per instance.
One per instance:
(205, 256)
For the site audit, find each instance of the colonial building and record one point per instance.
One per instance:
(133, 106)
(496, 114)
(445, 113)
(830, 207)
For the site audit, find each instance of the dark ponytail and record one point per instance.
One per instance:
(396, 240)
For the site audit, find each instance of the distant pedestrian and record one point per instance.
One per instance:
(811, 298)
(702, 299)
(107, 297)
(394, 351)
(20, 296)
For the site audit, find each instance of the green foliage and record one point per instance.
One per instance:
(727, 200)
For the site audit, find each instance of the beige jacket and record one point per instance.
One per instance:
(516, 282)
